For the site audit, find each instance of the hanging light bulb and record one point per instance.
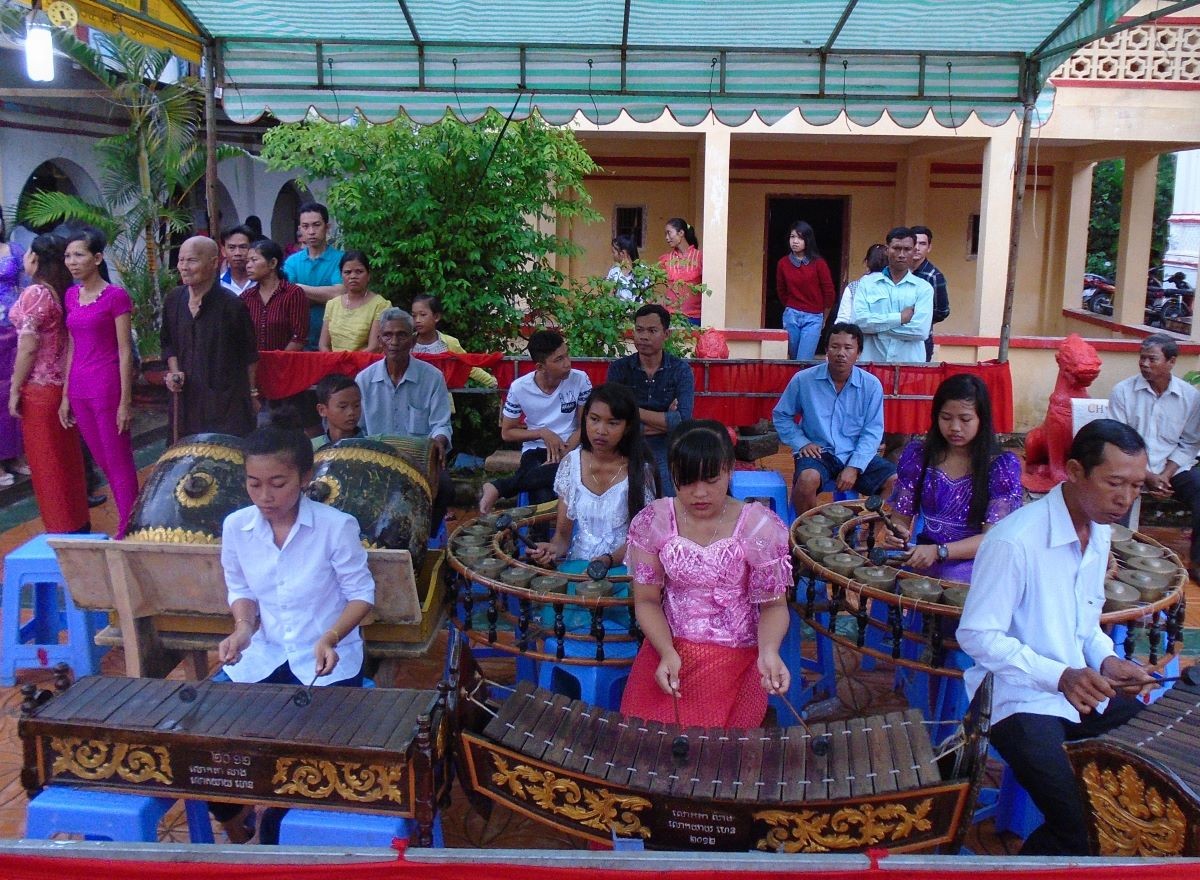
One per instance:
(39, 51)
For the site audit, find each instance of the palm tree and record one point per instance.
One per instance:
(147, 171)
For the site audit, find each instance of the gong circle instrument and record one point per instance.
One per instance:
(193, 486)
(909, 619)
(525, 604)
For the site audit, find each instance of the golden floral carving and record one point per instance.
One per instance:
(600, 809)
(843, 829)
(376, 458)
(361, 783)
(1132, 818)
(173, 536)
(97, 759)
(204, 450)
(186, 490)
(333, 484)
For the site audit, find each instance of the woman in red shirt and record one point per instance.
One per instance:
(684, 265)
(805, 287)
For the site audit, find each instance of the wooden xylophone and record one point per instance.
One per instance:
(1142, 780)
(372, 750)
(596, 774)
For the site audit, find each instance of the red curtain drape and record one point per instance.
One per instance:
(284, 373)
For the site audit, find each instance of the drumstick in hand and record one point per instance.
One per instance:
(820, 744)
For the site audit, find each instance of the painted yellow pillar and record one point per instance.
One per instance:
(1079, 213)
(1133, 247)
(912, 192)
(995, 222)
(715, 236)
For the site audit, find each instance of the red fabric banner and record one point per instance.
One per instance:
(284, 373)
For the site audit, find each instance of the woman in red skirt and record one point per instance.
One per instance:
(711, 576)
(53, 452)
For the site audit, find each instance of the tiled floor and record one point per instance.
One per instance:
(859, 692)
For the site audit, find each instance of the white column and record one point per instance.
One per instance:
(995, 222)
(1133, 246)
(715, 238)
(1183, 239)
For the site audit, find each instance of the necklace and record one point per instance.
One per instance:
(612, 479)
(716, 524)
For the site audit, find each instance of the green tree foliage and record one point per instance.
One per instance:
(1108, 179)
(416, 200)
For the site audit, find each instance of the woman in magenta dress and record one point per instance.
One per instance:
(99, 387)
(11, 257)
(710, 581)
(684, 265)
(958, 479)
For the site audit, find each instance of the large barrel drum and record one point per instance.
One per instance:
(387, 491)
(195, 484)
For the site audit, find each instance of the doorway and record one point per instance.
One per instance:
(828, 217)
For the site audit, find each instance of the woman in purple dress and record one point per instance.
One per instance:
(957, 479)
(10, 288)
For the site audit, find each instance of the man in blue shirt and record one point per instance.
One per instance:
(661, 382)
(317, 268)
(836, 444)
(894, 308)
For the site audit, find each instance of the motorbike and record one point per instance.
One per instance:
(1098, 294)
(1168, 305)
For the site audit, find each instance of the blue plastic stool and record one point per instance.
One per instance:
(801, 694)
(767, 485)
(1015, 810)
(97, 815)
(35, 644)
(1171, 669)
(333, 828)
(438, 540)
(599, 685)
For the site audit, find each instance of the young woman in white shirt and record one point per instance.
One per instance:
(602, 484)
(297, 578)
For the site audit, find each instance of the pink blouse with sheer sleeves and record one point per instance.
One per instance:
(711, 594)
(38, 312)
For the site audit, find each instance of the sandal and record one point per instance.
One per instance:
(7, 479)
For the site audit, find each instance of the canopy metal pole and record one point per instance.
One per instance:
(210, 140)
(1014, 239)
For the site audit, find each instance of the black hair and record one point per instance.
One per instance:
(282, 437)
(898, 232)
(314, 208)
(544, 343)
(435, 304)
(240, 229)
(254, 224)
(805, 231)
(876, 258)
(355, 257)
(628, 244)
(921, 230)
(1088, 446)
(1168, 346)
(984, 450)
(689, 234)
(654, 309)
(93, 239)
(623, 405)
(850, 329)
(700, 450)
(269, 250)
(51, 270)
(331, 385)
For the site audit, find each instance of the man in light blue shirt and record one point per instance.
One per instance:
(894, 309)
(836, 444)
(407, 397)
(317, 268)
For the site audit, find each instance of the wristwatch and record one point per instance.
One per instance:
(943, 552)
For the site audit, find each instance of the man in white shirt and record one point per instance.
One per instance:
(1165, 410)
(1032, 618)
(550, 400)
(894, 309)
(235, 249)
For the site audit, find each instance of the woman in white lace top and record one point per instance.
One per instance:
(602, 484)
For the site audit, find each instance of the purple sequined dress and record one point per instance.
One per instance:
(10, 289)
(945, 502)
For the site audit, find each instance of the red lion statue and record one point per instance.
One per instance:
(1046, 446)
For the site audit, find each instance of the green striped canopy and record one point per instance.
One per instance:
(735, 58)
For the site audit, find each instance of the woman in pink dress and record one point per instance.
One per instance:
(684, 265)
(710, 581)
(99, 390)
(53, 451)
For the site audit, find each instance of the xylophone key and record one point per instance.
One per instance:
(1154, 750)
(261, 721)
(375, 735)
(142, 702)
(797, 765)
(225, 713)
(305, 722)
(536, 744)
(502, 721)
(687, 773)
(100, 699)
(573, 723)
(771, 781)
(860, 758)
(617, 770)
(710, 764)
(838, 769)
(514, 738)
(612, 724)
(579, 751)
(884, 777)
(653, 748)
(917, 736)
(729, 770)
(752, 765)
(354, 717)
